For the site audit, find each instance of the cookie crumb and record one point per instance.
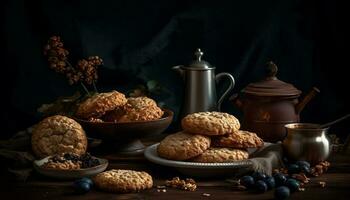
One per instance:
(161, 186)
(187, 184)
(322, 184)
(206, 194)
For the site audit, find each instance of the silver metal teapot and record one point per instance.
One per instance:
(200, 86)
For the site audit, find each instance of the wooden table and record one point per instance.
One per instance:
(37, 187)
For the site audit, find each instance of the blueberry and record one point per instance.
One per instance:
(87, 180)
(258, 176)
(261, 186)
(293, 169)
(305, 169)
(270, 182)
(282, 192)
(81, 187)
(247, 181)
(292, 184)
(303, 163)
(280, 179)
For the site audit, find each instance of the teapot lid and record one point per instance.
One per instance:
(271, 85)
(198, 63)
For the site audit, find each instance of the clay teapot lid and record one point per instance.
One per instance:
(271, 85)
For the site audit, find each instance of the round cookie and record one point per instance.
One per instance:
(182, 146)
(238, 139)
(221, 155)
(58, 134)
(123, 181)
(97, 105)
(141, 109)
(210, 123)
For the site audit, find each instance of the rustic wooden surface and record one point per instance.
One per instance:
(37, 187)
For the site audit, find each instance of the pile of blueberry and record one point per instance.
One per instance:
(284, 184)
(83, 185)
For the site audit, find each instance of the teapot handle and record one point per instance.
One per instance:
(218, 77)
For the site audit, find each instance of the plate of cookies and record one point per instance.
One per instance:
(210, 144)
(111, 115)
(70, 166)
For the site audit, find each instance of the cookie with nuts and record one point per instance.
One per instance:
(210, 123)
(123, 181)
(213, 155)
(58, 134)
(141, 109)
(238, 139)
(97, 105)
(182, 146)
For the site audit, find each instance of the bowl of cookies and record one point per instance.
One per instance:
(122, 121)
(210, 144)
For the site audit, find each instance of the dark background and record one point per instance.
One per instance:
(141, 40)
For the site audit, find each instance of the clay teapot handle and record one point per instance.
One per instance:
(218, 77)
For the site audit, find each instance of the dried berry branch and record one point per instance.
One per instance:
(84, 72)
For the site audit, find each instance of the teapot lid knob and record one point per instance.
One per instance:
(271, 70)
(198, 54)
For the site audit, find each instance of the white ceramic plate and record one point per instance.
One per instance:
(199, 169)
(69, 174)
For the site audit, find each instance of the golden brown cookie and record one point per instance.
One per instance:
(123, 181)
(213, 154)
(182, 146)
(238, 139)
(141, 109)
(58, 134)
(210, 123)
(97, 105)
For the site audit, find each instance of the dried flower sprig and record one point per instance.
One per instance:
(84, 72)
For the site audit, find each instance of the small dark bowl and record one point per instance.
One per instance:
(127, 130)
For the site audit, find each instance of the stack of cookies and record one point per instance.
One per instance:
(209, 137)
(115, 107)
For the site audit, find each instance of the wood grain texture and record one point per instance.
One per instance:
(38, 187)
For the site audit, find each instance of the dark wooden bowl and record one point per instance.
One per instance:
(126, 135)
(126, 130)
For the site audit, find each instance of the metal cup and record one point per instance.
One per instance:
(307, 142)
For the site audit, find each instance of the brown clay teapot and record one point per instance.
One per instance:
(270, 104)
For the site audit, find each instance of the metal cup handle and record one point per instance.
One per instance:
(218, 77)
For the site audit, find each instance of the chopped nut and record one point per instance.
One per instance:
(206, 194)
(161, 186)
(158, 190)
(322, 184)
(301, 177)
(301, 189)
(163, 190)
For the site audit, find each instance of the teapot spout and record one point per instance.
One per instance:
(300, 106)
(179, 70)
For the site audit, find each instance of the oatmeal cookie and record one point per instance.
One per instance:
(58, 134)
(182, 146)
(221, 155)
(97, 105)
(123, 181)
(141, 109)
(238, 139)
(210, 123)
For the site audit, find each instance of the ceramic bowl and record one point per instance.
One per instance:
(69, 174)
